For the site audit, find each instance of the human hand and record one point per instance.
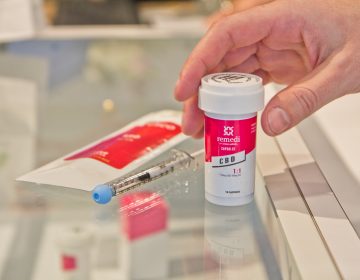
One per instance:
(310, 45)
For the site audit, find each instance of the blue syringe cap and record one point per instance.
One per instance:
(102, 194)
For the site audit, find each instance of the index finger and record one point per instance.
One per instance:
(235, 31)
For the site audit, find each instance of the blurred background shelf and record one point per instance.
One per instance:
(163, 29)
(107, 19)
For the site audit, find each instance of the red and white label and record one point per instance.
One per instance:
(230, 156)
(122, 149)
(229, 137)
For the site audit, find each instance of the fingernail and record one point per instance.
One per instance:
(278, 120)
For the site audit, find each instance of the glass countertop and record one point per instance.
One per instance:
(197, 239)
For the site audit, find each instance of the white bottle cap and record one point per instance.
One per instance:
(231, 93)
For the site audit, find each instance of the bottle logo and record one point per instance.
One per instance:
(228, 131)
(228, 135)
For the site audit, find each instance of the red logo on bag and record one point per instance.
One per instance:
(126, 147)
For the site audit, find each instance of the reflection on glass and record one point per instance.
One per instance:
(107, 238)
(74, 245)
(144, 221)
(230, 240)
(18, 127)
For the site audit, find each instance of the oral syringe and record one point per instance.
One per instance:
(178, 160)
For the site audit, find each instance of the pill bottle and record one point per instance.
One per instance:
(230, 102)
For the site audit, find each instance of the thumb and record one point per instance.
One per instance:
(296, 102)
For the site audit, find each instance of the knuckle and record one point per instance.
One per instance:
(223, 31)
(307, 99)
